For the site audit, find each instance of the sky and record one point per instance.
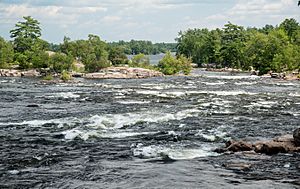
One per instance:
(155, 20)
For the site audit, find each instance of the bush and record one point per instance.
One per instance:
(185, 64)
(59, 62)
(169, 65)
(65, 76)
(140, 61)
(48, 77)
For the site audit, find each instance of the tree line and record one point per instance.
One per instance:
(270, 48)
(27, 50)
(135, 47)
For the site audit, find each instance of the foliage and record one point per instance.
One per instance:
(185, 64)
(65, 76)
(59, 62)
(135, 47)
(25, 34)
(117, 56)
(267, 49)
(141, 61)
(48, 77)
(6, 53)
(171, 65)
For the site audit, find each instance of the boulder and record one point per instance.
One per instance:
(296, 136)
(283, 144)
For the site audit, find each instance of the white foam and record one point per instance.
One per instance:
(14, 172)
(245, 83)
(212, 84)
(153, 151)
(263, 104)
(133, 102)
(232, 77)
(115, 121)
(222, 93)
(165, 94)
(296, 94)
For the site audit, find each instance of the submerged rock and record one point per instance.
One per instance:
(283, 144)
(123, 73)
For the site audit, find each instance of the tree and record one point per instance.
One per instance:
(117, 56)
(233, 39)
(6, 53)
(25, 34)
(290, 26)
(60, 62)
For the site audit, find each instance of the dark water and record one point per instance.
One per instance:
(148, 133)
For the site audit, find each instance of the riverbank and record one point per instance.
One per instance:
(106, 73)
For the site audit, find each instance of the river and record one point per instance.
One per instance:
(146, 133)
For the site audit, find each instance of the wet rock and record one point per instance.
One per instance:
(283, 144)
(32, 106)
(238, 146)
(296, 136)
(238, 166)
(123, 73)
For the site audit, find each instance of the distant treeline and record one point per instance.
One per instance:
(270, 48)
(135, 47)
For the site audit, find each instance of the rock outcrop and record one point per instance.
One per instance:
(283, 144)
(123, 73)
(19, 73)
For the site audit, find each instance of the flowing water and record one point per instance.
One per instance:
(147, 133)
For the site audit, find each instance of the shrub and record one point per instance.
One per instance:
(65, 76)
(48, 77)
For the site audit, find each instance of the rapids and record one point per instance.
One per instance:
(146, 133)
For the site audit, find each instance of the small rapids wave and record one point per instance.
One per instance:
(168, 153)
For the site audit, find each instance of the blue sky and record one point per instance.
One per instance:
(155, 20)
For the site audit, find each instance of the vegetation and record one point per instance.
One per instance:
(171, 65)
(135, 47)
(271, 48)
(65, 76)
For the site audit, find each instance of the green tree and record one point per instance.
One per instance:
(290, 26)
(6, 53)
(117, 56)
(60, 62)
(25, 34)
(233, 39)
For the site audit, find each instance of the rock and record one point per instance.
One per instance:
(275, 75)
(296, 136)
(32, 106)
(10, 73)
(30, 73)
(238, 166)
(123, 73)
(283, 144)
(240, 146)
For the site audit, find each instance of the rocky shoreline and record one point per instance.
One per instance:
(106, 73)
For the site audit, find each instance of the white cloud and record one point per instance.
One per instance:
(111, 19)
